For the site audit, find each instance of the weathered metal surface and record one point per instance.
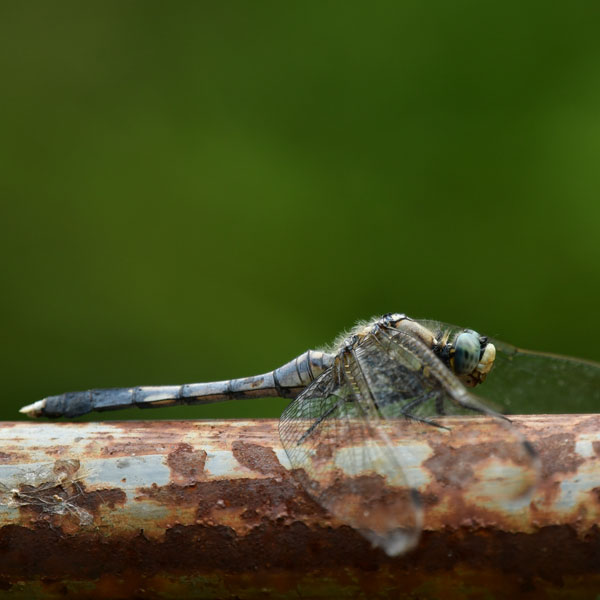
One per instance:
(209, 510)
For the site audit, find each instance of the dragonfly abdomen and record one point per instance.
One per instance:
(287, 382)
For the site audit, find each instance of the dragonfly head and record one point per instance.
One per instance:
(467, 354)
(471, 357)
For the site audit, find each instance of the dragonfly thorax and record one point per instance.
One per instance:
(467, 354)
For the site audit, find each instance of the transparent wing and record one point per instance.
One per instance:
(409, 382)
(526, 382)
(349, 435)
(347, 463)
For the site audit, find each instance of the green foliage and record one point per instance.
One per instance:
(197, 191)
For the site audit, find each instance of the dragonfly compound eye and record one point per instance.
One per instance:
(467, 352)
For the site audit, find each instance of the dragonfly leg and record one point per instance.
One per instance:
(439, 405)
(426, 421)
(476, 407)
(416, 402)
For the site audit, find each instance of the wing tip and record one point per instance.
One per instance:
(395, 543)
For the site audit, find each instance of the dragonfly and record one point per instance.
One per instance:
(356, 406)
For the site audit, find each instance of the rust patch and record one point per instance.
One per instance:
(583, 423)
(429, 499)
(269, 497)
(454, 465)
(273, 555)
(550, 554)
(255, 457)
(186, 464)
(12, 457)
(58, 450)
(558, 455)
(547, 491)
(192, 549)
(368, 501)
(369, 488)
(463, 514)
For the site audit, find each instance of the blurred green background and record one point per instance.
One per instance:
(194, 191)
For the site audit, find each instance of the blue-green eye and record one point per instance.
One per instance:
(466, 352)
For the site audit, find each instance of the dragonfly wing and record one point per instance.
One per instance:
(346, 462)
(349, 433)
(526, 382)
(416, 392)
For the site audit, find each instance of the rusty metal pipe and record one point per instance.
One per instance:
(206, 509)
